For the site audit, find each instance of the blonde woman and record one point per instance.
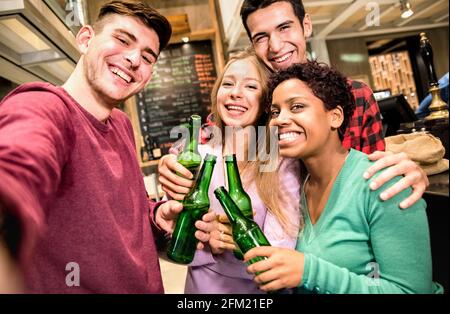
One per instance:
(236, 102)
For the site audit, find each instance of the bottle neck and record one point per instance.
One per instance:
(231, 210)
(194, 130)
(204, 176)
(234, 179)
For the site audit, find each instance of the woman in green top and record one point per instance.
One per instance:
(351, 241)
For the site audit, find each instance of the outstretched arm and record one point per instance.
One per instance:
(31, 160)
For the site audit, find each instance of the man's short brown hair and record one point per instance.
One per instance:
(142, 11)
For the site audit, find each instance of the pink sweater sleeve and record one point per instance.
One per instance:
(157, 231)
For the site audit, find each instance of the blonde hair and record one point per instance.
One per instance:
(266, 182)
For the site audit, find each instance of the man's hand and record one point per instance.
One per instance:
(397, 165)
(171, 183)
(11, 280)
(283, 268)
(167, 214)
(166, 218)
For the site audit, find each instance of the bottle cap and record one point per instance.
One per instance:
(210, 157)
(230, 158)
(220, 191)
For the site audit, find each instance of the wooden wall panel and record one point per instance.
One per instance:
(350, 56)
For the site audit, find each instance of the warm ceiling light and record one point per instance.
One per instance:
(405, 7)
(185, 39)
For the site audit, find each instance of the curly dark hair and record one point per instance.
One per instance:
(327, 84)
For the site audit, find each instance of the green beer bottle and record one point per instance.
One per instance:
(246, 233)
(195, 204)
(237, 193)
(190, 158)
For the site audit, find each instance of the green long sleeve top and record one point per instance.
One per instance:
(361, 244)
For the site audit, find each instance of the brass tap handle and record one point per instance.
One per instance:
(438, 108)
(427, 55)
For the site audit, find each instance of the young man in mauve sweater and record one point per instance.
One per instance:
(74, 213)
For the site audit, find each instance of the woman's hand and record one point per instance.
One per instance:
(283, 268)
(204, 228)
(174, 185)
(221, 236)
(397, 165)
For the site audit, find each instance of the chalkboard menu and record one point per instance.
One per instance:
(182, 81)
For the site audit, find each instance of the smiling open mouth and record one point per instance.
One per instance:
(289, 136)
(121, 74)
(282, 58)
(236, 108)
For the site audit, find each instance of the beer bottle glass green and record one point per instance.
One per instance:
(246, 233)
(237, 193)
(195, 204)
(189, 157)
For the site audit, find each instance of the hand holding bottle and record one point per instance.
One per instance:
(167, 214)
(204, 227)
(217, 235)
(282, 268)
(196, 203)
(174, 185)
(221, 237)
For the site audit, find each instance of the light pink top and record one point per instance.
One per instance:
(224, 273)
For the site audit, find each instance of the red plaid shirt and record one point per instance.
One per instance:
(364, 131)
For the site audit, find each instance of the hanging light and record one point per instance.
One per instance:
(405, 7)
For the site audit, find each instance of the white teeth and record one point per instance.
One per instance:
(283, 58)
(289, 136)
(238, 108)
(121, 74)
